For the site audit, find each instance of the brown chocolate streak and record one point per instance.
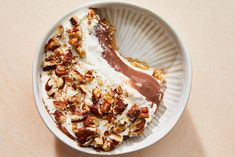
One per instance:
(142, 82)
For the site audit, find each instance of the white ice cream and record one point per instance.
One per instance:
(109, 76)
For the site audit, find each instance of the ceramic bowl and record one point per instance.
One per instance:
(144, 35)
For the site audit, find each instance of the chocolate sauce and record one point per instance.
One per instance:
(142, 82)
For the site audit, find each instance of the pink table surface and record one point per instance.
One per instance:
(207, 127)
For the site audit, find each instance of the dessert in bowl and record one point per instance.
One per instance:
(109, 77)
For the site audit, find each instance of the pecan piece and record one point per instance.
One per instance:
(137, 127)
(144, 112)
(116, 137)
(60, 70)
(60, 105)
(59, 117)
(109, 145)
(159, 75)
(49, 65)
(74, 20)
(86, 135)
(52, 44)
(77, 117)
(77, 76)
(105, 108)
(91, 122)
(96, 95)
(81, 52)
(59, 31)
(95, 110)
(119, 107)
(89, 76)
(134, 112)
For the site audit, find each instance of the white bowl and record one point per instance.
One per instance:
(144, 35)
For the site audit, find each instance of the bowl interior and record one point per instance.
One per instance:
(142, 35)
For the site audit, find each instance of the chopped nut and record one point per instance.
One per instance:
(81, 52)
(98, 141)
(109, 145)
(49, 66)
(144, 112)
(110, 117)
(75, 99)
(88, 76)
(77, 117)
(159, 75)
(74, 20)
(74, 42)
(59, 31)
(60, 105)
(96, 95)
(85, 108)
(52, 44)
(119, 107)
(138, 64)
(77, 76)
(134, 112)
(59, 117)
(119, 90)
(91, 122)
(116, 137)
(95, 110)
(137, 127)
(105, 108)
(60, 70)
(85, 135)
(67, 58)
(91, 14)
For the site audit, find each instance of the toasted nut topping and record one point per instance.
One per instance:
(59, 31)
(67, 58)
(77, 76)
(138, 64)
(110, 117)
(116, 137)
(52, 44)
(59, 117)
(74, 42)
(85, 134)
(76, 99)
(81, 52)
(134, 112)
(98, 141)
(137, 127)
(74, 20)
(144, 112)
(96, 95)
(60, 105)
(119, 90)
(85, 108)
(109, 145)
(119, 107)
(95, 110)
(60, 70)
(49, 66)
(105, 108)
(91, 122)
(159, 75)
(88, 76)
(91, 14)
(77, 117)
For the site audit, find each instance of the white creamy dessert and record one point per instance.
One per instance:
(92, 96)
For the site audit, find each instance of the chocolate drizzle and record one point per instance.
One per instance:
(142, 82)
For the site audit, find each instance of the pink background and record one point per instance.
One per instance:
(207, 127)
